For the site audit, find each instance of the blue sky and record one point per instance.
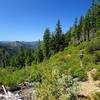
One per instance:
(26, 20)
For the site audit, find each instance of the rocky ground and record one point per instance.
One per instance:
(24, 91)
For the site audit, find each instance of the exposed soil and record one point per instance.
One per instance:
(89, 87)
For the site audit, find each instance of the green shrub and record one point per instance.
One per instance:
(94, 45)
(96, 76)
(87, 60)
(80, 74)
(97, 57)
(98, 33)
(59, 88)
(98, 95)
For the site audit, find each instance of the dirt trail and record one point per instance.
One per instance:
(89, 86)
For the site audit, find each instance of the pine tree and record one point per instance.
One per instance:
(28, 57)
(46, 43)
(39, 53)
(80, 27)
(75, 35)
(97, 10)
(87, 25)
(20, 58)
(53, 44)
(84, 30)
(13, 62)
(4, 58)
(35, 56)
(68, 37)
(78, 30)
(59, 38)
(92, 19)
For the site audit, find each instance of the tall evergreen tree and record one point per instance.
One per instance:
(93, 20)
(97, 10)
(20, 58)
(80, 26)
(46, 43)
(59, 38)
(74, 35)
(87, 25)
(39, 53)
(84, 29)
(13, 62)
(77, 30)
(68, 37)
(53, 44)
(4, 58)
(35, 56)
(29, 57)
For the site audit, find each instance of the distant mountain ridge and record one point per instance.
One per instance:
(18, 44)
(14, 46)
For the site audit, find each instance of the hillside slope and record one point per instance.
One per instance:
(51, 76)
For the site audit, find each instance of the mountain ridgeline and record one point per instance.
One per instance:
(18, 44)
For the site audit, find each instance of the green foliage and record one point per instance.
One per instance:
(98, 33)
(96, 75)
(39, 54)
(18, 60)
(29, 57)
(97, 10)
(46, 44)
(68, 38)
(61, 88)
(87, 60)
(4, 57)
(80, 29)
(94, 45)
(59, 38)
(87, 25)
(97, 95)
(81, 74)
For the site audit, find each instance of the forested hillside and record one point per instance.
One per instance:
(60, 62)
(9, 50)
